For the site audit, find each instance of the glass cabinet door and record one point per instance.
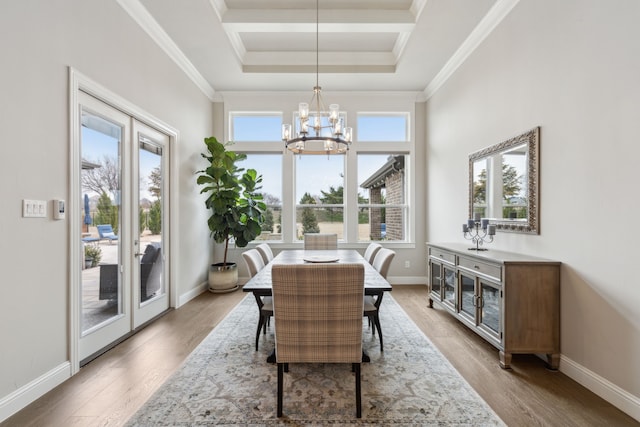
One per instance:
(435, 279)
(468, 296)
(490, 308)
(449, 286)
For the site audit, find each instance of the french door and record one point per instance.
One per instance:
(123, 267)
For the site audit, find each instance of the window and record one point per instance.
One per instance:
(270, 167)
(319, 187)
(361, 196)
(383, 127)
(255, 126)
(382, 210)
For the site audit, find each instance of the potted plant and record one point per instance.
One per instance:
(237, 209)
(92, 255)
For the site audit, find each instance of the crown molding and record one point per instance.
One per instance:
(144, 19)
(491, 20)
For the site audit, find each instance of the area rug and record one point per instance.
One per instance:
(225, 381)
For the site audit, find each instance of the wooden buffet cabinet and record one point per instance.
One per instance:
(511, 300)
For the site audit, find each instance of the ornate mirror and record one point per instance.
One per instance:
(503, 183)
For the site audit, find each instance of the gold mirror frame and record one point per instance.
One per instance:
(531, 138)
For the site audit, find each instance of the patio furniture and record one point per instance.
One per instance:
(106, 233)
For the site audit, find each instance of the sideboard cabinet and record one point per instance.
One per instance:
(511, 300)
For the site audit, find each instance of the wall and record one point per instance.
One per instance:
(97, 38)
(572, 68)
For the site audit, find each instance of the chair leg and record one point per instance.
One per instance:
(280, 384)
(260, 321)
(358, 391)
(376, 319)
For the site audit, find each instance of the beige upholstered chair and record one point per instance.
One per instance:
(266, 252)
(318, 241)
(255, 263)
(381, 263)
(371, 252)
(305, 334)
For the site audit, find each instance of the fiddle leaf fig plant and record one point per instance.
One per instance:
(237, 209)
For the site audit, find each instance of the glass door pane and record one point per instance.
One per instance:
(468, 296)
(150, 222)
(101, 289)
(436, 281)
(450, 287)
(490, 307)
(150, 219)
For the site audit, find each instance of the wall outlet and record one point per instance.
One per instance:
(407, 264)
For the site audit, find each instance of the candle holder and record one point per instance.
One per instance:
(479, 231)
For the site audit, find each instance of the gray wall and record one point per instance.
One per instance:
(41, 39)
(570, 67)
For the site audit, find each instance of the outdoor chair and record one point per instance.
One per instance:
(255, 263)
(319, 241)
(381, 263)
(106, 233)
(149, 284)
(318, 318)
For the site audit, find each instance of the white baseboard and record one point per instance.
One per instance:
(610, 392)
(23, 396)
(186, 297)
(407, 280)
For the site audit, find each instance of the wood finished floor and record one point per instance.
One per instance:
(110, 389)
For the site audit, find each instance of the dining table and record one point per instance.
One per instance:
(374, 282)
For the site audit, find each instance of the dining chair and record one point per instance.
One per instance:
(381, 263)
(255, 263)
(371, 251)
(266, 252)
(319, 241)
(318, 318)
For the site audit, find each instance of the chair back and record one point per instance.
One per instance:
(382, 261)
(318, 312)
(371, 252)
(266, 252)
(319, 241)
(254, 261)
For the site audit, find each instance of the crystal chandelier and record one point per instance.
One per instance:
(310, 138)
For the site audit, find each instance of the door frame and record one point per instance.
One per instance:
(79, 82)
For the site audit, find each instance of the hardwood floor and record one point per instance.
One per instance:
(111, 388)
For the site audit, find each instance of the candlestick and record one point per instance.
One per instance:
(479, 232)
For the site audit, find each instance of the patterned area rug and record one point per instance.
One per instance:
(226, 382)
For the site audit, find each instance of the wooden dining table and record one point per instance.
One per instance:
(374, 282)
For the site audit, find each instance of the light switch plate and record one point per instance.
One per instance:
(34, 208)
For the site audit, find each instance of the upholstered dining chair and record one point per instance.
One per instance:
(266, 252)
(255, 263)
(371, 251)
(306, 334)
(381, 263)
(319, 241)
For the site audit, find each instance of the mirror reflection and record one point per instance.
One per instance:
(503, 183)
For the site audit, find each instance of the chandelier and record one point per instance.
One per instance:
(319, 131)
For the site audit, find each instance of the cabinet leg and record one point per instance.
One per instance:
(553, 360)
(505, 360)
(430, 303)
